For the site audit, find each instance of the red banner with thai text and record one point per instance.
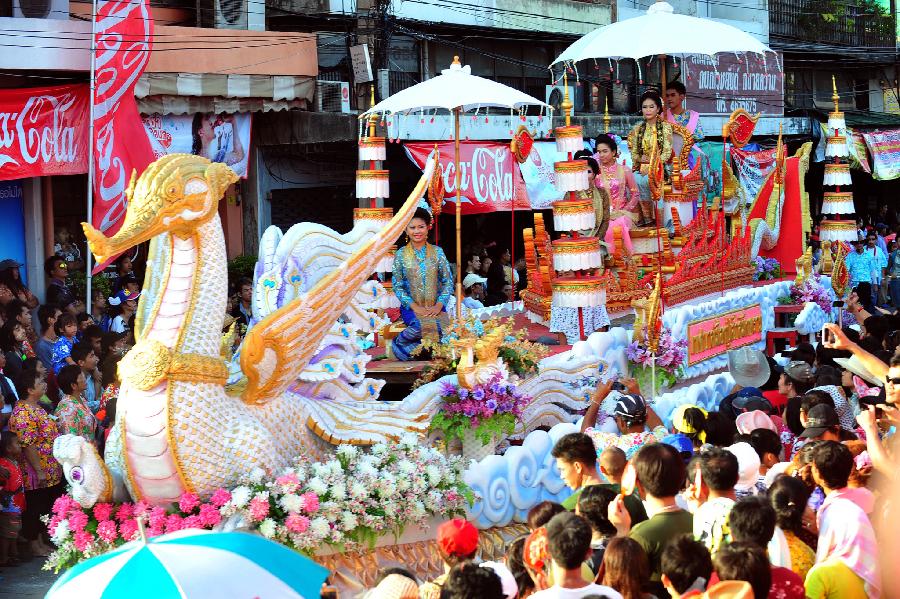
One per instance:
(490, 179)
(123, 42)
(43, 131)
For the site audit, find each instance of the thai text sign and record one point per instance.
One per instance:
(885, 149)
(716, 335)
(43, 131)
(490, 180)
(725, 82)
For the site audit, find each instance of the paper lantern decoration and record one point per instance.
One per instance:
(838, 230)
(569, 139)
(837, 174)
(571, 175)
(380, 216)
(836, 147)
(586, 292)
(583, 253)
(372, 184)
(372, 148)
(574, 215)
(838, 202)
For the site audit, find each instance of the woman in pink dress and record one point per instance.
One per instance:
(623, 191)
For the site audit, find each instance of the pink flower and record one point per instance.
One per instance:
(103, 511)
(156, 530)
(191, 522)
(158, 517)
(125, 512)
(209, 515)
(259, 509)
(220, 497)
(83, 540)
(106, 530)
(297, 523)
(311, 500)
(140, 508)
(288, 482)
(129, 529)
(54, 522)
(188, 502)
(62, 504)
(174, 523)
(77, 520)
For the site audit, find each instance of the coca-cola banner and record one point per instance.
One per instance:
(490, 179)
(43, 131)
(123, 40)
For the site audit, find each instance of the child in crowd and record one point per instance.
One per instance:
(12, 498)
(66, 331)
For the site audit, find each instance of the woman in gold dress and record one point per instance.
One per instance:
(598, 195)
(653, 133)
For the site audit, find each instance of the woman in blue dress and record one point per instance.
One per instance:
(423, 282)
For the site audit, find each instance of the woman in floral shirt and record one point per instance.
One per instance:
(73, 416)
(43, 475)
(632, 415)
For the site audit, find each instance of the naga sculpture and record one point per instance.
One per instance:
(187, 420)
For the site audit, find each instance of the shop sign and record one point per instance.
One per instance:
(714, 336)
(43, 131)
(722, 83)
(490, 180)
(222, 138)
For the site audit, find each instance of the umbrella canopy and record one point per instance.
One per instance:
(454, 88)
(661, 31)
(194, 564)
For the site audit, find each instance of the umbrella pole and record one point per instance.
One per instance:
(458, 216)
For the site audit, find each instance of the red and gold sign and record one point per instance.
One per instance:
(740, 127)
(714, 336)
(521, 143)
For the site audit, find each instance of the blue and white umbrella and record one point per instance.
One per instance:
(194, 564)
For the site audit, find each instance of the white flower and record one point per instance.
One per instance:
(319, 527)
(317, 486)
(358, 490)
(379, 449)
(334, 467)
(267, 528)
(61, 533)
(409, 441)
(240, 496)
(403, 484)
(293, 503)
(256, 475)
(367, 469)
(390, 509)
(319, 469)
(338, 491)
(418, 509)
(347, 451)
(348, 520)
(434, 474)
(406, 467)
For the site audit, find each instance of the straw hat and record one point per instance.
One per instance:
(856, 366)
(748, 367)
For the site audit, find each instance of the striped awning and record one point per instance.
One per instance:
(185, 93)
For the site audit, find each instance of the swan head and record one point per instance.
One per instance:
(175, 194)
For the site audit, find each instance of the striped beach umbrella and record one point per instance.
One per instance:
(194, 564)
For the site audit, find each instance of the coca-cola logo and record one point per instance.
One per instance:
(485, 176)
(43, 130)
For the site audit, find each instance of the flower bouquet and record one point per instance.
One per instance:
(482, 414)
(812, 290)
(767, 269)
(669, 361)
(347, 502)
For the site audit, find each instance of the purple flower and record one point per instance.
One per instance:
(478, 394)
(448, 389)
(463, 393)
(491, 404)
(469, 409)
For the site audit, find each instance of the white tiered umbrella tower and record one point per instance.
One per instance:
(838, 203)
(575, 258)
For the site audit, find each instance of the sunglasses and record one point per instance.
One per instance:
(892, 381)
(63, 265)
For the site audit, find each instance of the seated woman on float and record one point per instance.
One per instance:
(618, 182)
(653, 134)
(423, 282)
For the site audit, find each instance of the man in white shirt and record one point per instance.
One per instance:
(569, 544)
(474, 289)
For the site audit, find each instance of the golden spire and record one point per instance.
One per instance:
(373, 118)
(566, 103)
(456, 61)
(834, 95)
(606, 118)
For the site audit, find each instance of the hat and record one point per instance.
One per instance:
(819, 419)
(802, 349)
(750, 421)
(507, 580)
(680, 442)
(631, 407)
(800, 371)
(681, 425)
(748, 367)
(536, 551)
(748, 465)
(457, 537)
(472, 279)
(9, 263)
(123, 296)
(394, 586)
(855, 365)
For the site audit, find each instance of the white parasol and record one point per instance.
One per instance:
(661, 32)
(457, 90)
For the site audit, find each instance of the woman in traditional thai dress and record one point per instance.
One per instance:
(423, 282)
(598, 195)
(656, 133)
(623, 191)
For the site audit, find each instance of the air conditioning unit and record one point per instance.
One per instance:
(556, 94)
(333, 96)
(41, 9)
(233, 14)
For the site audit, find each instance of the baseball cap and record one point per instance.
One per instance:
(748, 422)
(472, 279)
(680, 442)
(631, 407)
(819, 419)
(9, 263)
(123, 296)
(800, 371)
(457, 537)
(536, 551)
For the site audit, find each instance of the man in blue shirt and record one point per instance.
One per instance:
(861, 265)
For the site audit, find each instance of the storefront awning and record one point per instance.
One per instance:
(186, 93)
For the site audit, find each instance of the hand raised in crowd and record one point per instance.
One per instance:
(631, 385)
(618, 516)
(835, 338)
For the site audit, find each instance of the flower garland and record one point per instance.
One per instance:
(346, 502)
(491, 409)
(669, 359)
(767, 269)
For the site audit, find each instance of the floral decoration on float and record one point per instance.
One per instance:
(810, 290)
(347, 502)
(767, 269)
(669, 361)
